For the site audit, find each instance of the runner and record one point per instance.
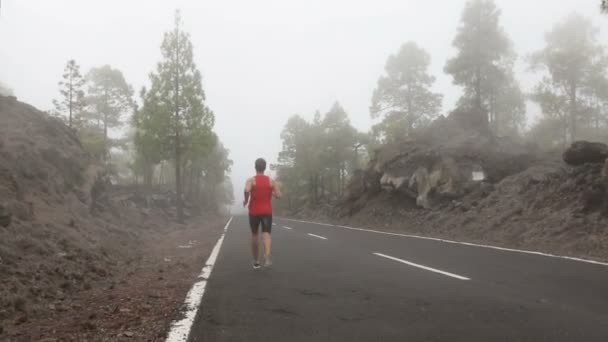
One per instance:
(258, 193)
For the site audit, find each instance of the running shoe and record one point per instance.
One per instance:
(267, 261)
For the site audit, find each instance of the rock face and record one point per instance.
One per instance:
(449, 159)
(605, 172)
(582, 152)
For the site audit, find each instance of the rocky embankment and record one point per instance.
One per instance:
(456, 180)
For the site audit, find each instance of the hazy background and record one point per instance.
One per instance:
(261, 60)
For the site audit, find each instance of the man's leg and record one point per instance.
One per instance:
(254, 246)
(267, 244)
(266, 231)
(254, 224)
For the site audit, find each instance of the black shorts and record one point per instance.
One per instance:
(264, 220)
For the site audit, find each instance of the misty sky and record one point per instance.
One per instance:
(262, 60)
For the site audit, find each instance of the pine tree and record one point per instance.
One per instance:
(110, 97)
(176, 104)
(574, 89)
(71, 88)
(483, 65)
(318, 157)
(403, 97)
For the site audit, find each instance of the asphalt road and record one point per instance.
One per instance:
(346, 285)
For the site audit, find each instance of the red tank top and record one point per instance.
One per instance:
(261, 196)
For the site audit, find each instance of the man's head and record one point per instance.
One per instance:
(260, 165)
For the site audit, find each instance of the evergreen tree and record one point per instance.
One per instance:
(340, 140)
(175, 114)
(574, 90)
(110, 97)
(318, 157)
(71, 88)
(483, 66)
(403, 97)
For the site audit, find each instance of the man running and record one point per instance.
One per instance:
(258, 193)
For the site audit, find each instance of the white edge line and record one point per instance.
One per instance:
(318, 236)
(423, 267)
(288, 228)
(460, 243)
(180, 330)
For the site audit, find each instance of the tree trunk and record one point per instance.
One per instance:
(148, 172)
(315, 188)
(322, 183)
(191, 181)
(311, 190)
(161, 173)
(198, 186)
(409, 116)
(185, 180)
(478, 66)
(341, 181)
(573, 112)
(178, 152)
(105, 137)
(70, 102)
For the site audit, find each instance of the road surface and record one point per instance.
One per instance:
(336, 284)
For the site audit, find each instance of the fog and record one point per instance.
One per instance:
(261, 61)
(440, 163)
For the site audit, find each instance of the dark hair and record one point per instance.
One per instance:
(260, 165)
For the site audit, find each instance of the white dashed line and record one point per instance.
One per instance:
(288, 228)
(423, 267)
(180, 330)
(458, 243)
(317, 236)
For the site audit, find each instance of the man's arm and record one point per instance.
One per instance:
(247, 192)
(276, 189)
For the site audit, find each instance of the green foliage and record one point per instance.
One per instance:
(216, 185)
(72, 101)
(152, 130)
(403, 97)
(318, 157)
(175, 125)
(109, 98)
(176, 87)
(483, 66)
(92, 140)
(175, 101)
(573, 93)
(507, 107)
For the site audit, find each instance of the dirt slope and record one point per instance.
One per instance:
(67, 244)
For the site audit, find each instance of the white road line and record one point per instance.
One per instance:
(317, 236)
(180, 330)
(460, 243)
(288, 228)
(423, 267)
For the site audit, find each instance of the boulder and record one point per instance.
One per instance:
(442, 162)
(581, 152)
(391, 182)
(442, 181)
